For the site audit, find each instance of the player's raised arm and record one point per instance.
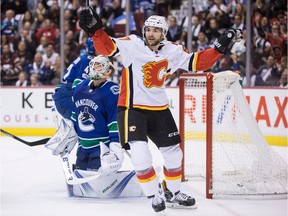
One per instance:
(91, 23)
(205, 59)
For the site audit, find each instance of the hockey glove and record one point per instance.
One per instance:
(111, 161)
(89, 21)
(224, 43)
(64, 138)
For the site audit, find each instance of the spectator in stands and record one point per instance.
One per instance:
(284, 33)
(225, 63)
(143, 6)
(238, 22)
(22, 80)
(47, 73)
(56, 79)
(27, 17)
(5, 41)
(54, 13)
(39, 19)
(195, 28)
(278, 47)
(50, 53)
(260, 51)
(36, 67)
(70, 18)
(265, 24)
(69, 4)
(259, 6)
(111, 10)
(79, 34)
(69, 56)
(202, 43)
(9, 26)
(47, 30)
(69, 39)
(282, 69)
(43, 44)
(23, 55)
(174, 31)
(266, 75)
(220, 11)
(213, 31)
(29, 40)
(10, 66)
(41, 10)
(34, 81)
(81, 50)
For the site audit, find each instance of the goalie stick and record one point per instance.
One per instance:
(71, 179)
(34, 143)
(67, 166)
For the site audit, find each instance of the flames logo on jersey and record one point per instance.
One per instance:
(155, 73)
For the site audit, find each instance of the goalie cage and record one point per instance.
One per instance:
(222, 142)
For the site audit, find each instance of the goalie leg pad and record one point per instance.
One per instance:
(119, 184)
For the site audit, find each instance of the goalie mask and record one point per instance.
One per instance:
(156, 21)
(99, 66)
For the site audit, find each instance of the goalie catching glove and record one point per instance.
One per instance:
(89, 21)
(111, 159)
(225, 42)
(64, 138)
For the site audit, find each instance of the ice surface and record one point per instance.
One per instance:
(32, 184)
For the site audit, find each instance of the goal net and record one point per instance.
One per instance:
(222, 142)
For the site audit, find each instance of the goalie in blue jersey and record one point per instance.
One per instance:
(78, 70)
(96, 131)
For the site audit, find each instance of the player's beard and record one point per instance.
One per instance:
(152, 43)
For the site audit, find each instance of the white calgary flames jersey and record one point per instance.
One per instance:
(143, 78)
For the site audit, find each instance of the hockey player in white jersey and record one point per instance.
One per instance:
(143, 105)
(94, 117)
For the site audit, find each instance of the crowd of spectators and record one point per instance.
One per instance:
(30, 36)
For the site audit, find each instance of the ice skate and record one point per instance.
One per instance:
(178, 199)
(158, 204)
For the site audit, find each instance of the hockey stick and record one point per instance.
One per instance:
(67, 168)
(35, 143)
(71, 179)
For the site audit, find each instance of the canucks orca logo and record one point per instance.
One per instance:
(86, 120)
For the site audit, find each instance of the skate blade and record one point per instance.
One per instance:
(177, 206)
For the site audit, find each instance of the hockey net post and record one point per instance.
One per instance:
(222, 142)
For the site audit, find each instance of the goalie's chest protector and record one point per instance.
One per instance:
(95, 109)
(144, 74)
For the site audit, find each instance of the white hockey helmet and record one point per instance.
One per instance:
(156, 21)
(98, 66)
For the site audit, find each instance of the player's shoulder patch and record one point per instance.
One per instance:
(115, 89)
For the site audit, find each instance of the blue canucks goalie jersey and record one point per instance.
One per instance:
(94, 113)
(79, 69)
